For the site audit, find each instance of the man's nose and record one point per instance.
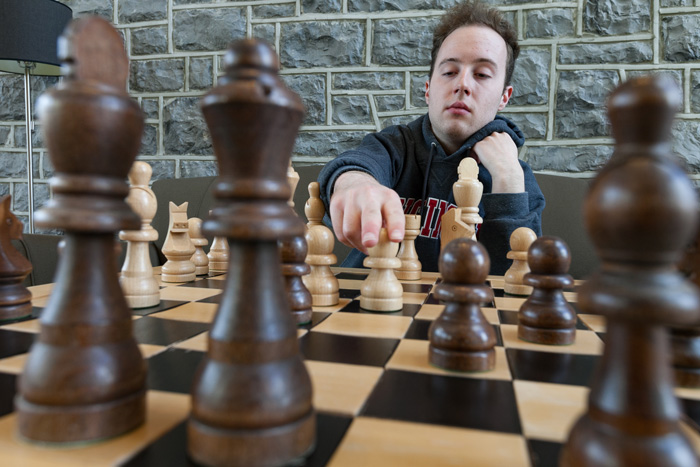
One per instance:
(464, 84)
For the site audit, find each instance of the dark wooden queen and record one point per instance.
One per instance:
(640, 213)
(85, 378)
(252, 393)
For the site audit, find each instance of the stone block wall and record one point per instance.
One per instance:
(361, 65)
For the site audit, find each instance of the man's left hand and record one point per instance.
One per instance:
(499, 154)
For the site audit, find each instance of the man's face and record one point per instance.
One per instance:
(466, 88)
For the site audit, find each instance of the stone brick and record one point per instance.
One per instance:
(201, 73)
(150, 108)
(101, 8)
(203, 168)
(12, 94)
(184, 130)
(131, 11)
(192, 2)
(325, 145)
(5, 135)
(533, 125)
(146, 41)
(531, 77)
(572, 159)
(265, 31)
(675, 3)
(676, 75)
(695, 91)
(312, 90)
(4, 189)
(335, 43)
(616, 52)
(554, 22)
(207, 29)
(580, 108)
(47, 169)
(162, 169)
(397, 120)
(157, 75)
(149, 140)
(348, 110)
(13, 165)
(681, 38)
(686, 143)
(418, 89)
(21, 137)
(390, 102)
(321, 6)
(606, 18)
(20, 200)
(274, 11)
(402, 42)
(399, 5)
(373, 81)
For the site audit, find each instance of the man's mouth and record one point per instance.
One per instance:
(459, 108)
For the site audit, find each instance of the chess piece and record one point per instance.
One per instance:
(178, 247)
(218, 255)
(321, 281)
(140, 287)
(546, 317)
(640, 211)
(381, 291)
(411, 268)
(85, 378)
(463, 221)
(685, 341)
(293, 253)
(15, 299)
(520, 241)
(252, 396)
(293, 180)
(461, 339)
(199, 258)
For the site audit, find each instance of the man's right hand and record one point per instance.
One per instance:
(360, 207)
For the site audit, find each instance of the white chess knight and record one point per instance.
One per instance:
(178, 247)
(141, 289)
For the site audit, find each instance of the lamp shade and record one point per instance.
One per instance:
(29, 30)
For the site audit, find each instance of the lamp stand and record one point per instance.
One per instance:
(28, 66)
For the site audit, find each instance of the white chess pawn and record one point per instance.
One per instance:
(411, 267)
(218, 254)
(199, 258)
(520, 241)
(381, 290)
(178, 247)
(141, 289)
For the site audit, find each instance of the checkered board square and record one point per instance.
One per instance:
(378, 400)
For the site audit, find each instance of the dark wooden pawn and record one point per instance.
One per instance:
(685, 341)
(85, 378)
(461, 339)
(640, 211)
(546, 317)
(293, 251)
(15, 299)
(252, 396)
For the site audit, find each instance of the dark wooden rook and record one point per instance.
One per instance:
(252, 393)
(293, 251)
(546, 317)
(461, 338)
(640, 212)
(15, 299)
(85, 377)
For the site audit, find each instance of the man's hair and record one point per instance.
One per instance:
(471, 13)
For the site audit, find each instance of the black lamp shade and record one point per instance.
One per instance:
(29, 30)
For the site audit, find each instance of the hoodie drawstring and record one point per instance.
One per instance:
(433, 148)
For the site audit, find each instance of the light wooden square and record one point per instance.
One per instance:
(193, 311)
(587, 342)
(341, 388)
(187, 293)
(365, 324)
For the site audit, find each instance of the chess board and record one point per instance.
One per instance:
(378, 400)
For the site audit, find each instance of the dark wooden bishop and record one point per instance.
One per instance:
(85, 377)
(15, 299)
(461, 338)
(546, 317)
(293, 251)
(252, 393)
(640, 212)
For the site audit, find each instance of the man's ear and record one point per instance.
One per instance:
(427, 91)
(505, 97)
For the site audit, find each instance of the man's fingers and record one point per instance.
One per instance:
(394, 220)
(371, 223)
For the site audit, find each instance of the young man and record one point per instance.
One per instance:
(411, 168)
